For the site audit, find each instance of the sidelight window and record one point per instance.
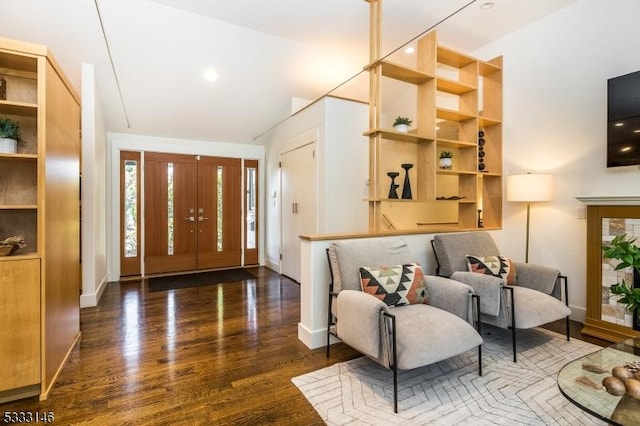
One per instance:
(251, 207)
(219, 207)
(130, 208)
(170, 210)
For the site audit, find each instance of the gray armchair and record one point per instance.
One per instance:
(534, 300)
(397, 337)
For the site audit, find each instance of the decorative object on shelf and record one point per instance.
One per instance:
(393, 189)
(623, 249)
(3, 89)
(446, 161)
(9, 135)
(401, 124)
(481, 142)
(480, 224)
(406, 189)
(10, 245)
(529, 187)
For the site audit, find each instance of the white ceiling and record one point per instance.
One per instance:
(265, 52)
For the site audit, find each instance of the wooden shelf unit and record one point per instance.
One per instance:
(457, 97)
(39, 199)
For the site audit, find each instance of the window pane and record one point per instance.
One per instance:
(170, 217)
(219, 208)
(251, 207)
(130, 208)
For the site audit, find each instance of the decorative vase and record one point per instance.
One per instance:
(446, 163)
(8, 145)
(406, 189)
(402, 128)
(393, 189)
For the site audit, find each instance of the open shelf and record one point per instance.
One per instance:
(399, 136)
(453, 87)
(401, 72)
(24, 109)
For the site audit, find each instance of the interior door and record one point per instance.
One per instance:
(170, 212)
(219, 212)
(298, 208)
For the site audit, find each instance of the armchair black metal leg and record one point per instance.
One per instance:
(513, 323)
(476, 298)
(566, 301)
(395, 389)
(393, 361)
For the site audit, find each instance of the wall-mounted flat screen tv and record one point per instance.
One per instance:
(623, 120)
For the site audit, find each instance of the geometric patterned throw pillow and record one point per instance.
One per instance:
(497, 266)
(395, 285)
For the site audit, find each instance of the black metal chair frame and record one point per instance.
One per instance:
(513, 306)
(331, 323)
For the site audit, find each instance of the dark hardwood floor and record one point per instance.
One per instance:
(218, 354)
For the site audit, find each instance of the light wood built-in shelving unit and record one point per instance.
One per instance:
(39, 199)
(472, 93)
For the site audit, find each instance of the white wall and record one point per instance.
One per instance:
(127, 142)
(555, 77)
(94, 247)
(342, 158)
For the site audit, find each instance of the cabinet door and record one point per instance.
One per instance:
(19, 323)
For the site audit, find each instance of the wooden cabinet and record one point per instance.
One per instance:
(455, 102)
(39, 199)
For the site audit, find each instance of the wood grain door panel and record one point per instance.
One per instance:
(158, 258)
(211, 254)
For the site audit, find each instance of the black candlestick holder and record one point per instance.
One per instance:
(393, 189)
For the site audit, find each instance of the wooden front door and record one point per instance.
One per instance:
(219, 215)
(192, 212)
(170, 212)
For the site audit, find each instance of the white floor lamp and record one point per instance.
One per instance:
(530, 187)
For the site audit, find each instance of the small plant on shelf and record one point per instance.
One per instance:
(9, 135)
(401, 124)
(446, 160)
(623, 249)
(9, 129)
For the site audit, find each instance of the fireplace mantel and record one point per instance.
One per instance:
(615, 200)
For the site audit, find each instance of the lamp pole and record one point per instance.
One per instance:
(526, 253)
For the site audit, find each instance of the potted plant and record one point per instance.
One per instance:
(401, 124)
(446, 160)
(9, 135)
(623, 249)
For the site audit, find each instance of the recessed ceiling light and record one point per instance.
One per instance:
(619, 124)
(409, 50)
(636, 131)
(210, 75)
(487, 5)
(625, 149)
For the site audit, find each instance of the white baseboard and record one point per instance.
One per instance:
(273, 265)
(314, 339)
(92, 299)
(578, 314)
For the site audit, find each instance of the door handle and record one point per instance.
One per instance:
(201, 219)
(190, 219)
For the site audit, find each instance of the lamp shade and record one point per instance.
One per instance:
(530, 187)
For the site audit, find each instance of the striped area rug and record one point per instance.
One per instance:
(360, 392)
